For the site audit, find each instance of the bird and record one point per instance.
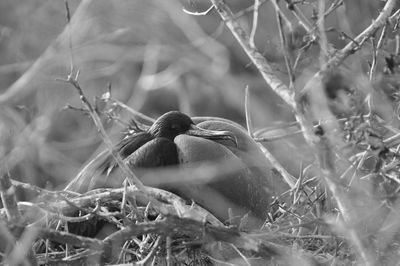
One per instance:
(174, 139)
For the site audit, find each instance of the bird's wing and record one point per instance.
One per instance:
(244, 181)
(249, 152)
(96, 173)
(155, 153)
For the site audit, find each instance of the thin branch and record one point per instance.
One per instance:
(249, 122)
(137, 115)
(323, 41)
(311, 30)
(284, 45)
(167, 203)
(300, 17)
(352, 47)
(287, 177)
(97, 121)
(71, 54)
(277, 137)
(287, 23)
(171, 224)
(332, 8)
(241, 255)
(168, 242)
(395, 16)
(249, 9)
(151, 253)
(375, 51)
(9, 199)
(255, 22)
(195, 13)
(257, 58)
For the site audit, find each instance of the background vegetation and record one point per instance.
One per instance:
(162, 55)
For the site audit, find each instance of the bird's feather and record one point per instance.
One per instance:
(155, 153)
(95, 174)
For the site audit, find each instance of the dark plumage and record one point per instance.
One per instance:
(175, 139)
(147, 149)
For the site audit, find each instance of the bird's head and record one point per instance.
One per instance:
(174, 123)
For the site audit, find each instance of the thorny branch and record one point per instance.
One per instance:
(318, 142)
(352, 47)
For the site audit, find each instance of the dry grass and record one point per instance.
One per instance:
(325, 112)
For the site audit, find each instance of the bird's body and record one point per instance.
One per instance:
(174, 139)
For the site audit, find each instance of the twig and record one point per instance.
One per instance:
(163, 205)
(276, 137)
(43, 209)
(395, 16)
(73, 80)
(71, 239)
(255, 22)
(315, 35)
(308, 236)
(249, 122)
(70, 107)
(256, 57)
(249, 9)
(332, 8)
(241, 255)
(336, 4)
(151, 253)
(220, 262)
(194, 228)
(284, 46)
(352, 47)
(375, 51)
(9, 200)
(300, 17)
(198, 13)
(287, 23)
(298, 186)
(168, 248)
(68, 13)
(137, 115)
(35, 189)
(289, 179)
(323, 42)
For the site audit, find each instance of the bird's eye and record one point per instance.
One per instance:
(175, 127)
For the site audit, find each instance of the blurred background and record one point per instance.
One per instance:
(155, 56)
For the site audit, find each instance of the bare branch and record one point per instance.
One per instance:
(352, 47)
(203, 13)
(323, 41)
(97, 121)
(256, 57)
(375, 51)
(249, 9)
(255, 22)
(249, 122)
(9, 200)
(289, 66)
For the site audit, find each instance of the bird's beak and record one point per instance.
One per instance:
(212, 134)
